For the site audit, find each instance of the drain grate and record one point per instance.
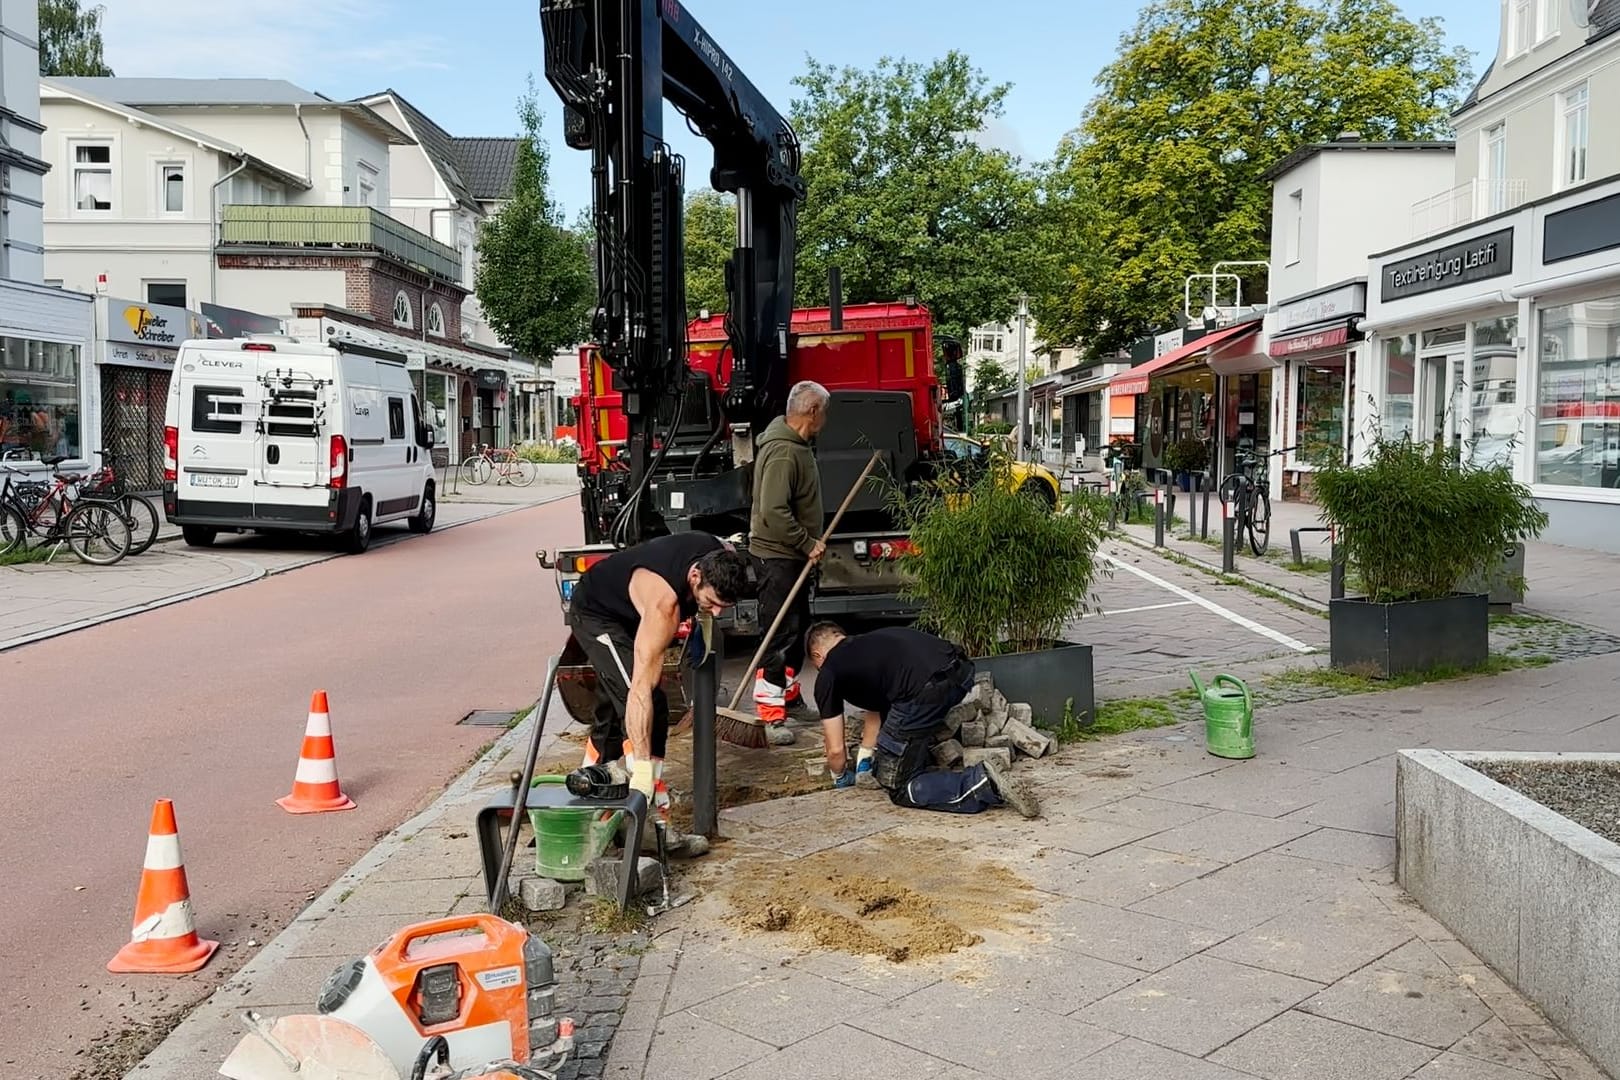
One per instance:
(487, 718)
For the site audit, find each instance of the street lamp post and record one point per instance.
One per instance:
(1023, 326)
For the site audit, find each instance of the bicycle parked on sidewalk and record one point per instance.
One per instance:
(504, 464)
(1249, 496)
(104, 485)
(96, 531)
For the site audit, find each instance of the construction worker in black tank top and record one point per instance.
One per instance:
(625, 612)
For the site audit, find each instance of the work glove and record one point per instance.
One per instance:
(846, 779)
(641, 779)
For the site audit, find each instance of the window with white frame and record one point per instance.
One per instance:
(366, 180)
(1296, 225)
(1530, 22)
(1573, 135)
(435, 321)
(1494, 169)
(402, 310)
(171, 177)
(92, 176)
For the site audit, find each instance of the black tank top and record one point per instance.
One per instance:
(604, 589)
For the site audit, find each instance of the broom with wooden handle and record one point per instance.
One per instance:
(744, 729)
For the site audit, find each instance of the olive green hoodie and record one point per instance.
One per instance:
(786, 520)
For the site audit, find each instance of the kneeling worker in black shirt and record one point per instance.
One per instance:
(911, 679)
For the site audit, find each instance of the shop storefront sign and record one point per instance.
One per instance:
(1342, 302)
(1582, 230)
(224, 322)
(1310, 342)
(145, 335)
(1478, 259)
(144, 356)
(491, 378)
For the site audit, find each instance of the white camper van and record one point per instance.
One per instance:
(269, 433)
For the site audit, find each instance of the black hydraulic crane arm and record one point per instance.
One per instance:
(614, 63)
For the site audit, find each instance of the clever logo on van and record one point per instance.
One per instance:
(235, 365)
(361, 410)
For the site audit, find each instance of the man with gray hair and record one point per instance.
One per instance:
(784, 532)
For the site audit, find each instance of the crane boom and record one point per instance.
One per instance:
(614, 63)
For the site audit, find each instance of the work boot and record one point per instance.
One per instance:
(680, 845)
(779, 734)
(1015, 793)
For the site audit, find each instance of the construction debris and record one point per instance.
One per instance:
(986, 720)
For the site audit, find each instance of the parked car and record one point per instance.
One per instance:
(1032, 479)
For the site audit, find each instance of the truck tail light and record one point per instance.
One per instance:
(171, 455)
(339, 462)
(583, 563)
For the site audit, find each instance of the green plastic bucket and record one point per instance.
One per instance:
(567, 839)
(1228, 716)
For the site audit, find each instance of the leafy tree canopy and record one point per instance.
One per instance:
(534, 277)
(1165, 176)
(70, 39)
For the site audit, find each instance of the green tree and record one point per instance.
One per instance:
(534, 277)
(1205, 96)
(70, 39)
(989, 379)
(904, 195)
(711, 235)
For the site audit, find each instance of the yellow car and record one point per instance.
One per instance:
(1036, 481)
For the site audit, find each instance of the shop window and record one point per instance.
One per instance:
(1319, 408)
(92, 177)
(1400, 384)
(1492, 412)
(438, 408)
(39, 400)
(1578, 421)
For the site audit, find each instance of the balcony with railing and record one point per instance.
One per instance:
(336, 228)
(1464, 203)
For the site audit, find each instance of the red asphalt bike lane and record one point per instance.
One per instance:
(204, 702)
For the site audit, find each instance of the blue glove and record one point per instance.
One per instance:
(863, 767)
(845, 779)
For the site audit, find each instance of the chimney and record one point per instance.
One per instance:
(1348, 136)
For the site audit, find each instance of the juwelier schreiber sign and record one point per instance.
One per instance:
(1479, 259)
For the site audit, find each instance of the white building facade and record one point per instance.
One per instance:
(1500, 334)
(44, 332)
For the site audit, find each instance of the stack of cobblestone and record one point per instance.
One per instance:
(986, 725)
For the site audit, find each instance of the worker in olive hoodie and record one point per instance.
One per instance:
(784, 532)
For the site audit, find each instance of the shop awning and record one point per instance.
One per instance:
(1135, 381)
(1085, 386)
(1310, 340)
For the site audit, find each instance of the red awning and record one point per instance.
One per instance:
(1135, 381)
(1310, 341)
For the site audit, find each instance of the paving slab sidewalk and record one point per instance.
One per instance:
(1197, 918)
(43, 600)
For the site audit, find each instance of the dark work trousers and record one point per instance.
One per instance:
(786, 650)
(903, 763)
(613, 660)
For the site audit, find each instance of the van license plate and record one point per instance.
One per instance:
(214, 480)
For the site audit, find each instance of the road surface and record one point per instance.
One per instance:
(205, 703)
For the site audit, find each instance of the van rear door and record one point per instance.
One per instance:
(292, 439)
(216, 395)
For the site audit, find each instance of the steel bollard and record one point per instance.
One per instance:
(1228, 540)
(1158, 516)
(1335, 572)
(1205, 519)
(1113, 506)
(1192, 515)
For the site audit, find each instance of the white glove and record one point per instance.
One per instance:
(641, 778)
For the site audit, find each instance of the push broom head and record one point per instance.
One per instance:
(739, 729)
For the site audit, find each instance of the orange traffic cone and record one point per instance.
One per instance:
(164, 938)
(315, 787)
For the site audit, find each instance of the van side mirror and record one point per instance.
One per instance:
(424, 436)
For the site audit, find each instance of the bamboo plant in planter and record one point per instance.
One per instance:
(1002, 576)
(1413, 522)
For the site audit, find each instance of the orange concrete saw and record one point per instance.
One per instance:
(453, 999)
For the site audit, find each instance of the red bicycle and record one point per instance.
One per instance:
(95, 530)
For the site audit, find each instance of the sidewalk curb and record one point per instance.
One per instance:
(257, 573)
(1216, 572)
(278, 950)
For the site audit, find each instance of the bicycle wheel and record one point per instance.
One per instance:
(13, 530)
(523, 473)
(143, 522)
(475, 470)
(97, 533)
(1260, 523)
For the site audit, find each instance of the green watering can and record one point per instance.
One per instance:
(1228, 716)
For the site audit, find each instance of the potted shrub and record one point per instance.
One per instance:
(1184, 458)
(1414, 522)
(1003, 577)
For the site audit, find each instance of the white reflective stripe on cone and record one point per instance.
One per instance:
(172, 922)
(163, 851)
(316, 771)
(319, 724)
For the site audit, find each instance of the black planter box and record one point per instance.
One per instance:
(1046, 680)
(1412, 635)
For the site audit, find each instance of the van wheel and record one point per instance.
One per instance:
(358, 539)
(423, 522)
(198, 535)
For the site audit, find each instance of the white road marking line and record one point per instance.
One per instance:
(1209, 605)
(1134, 610)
